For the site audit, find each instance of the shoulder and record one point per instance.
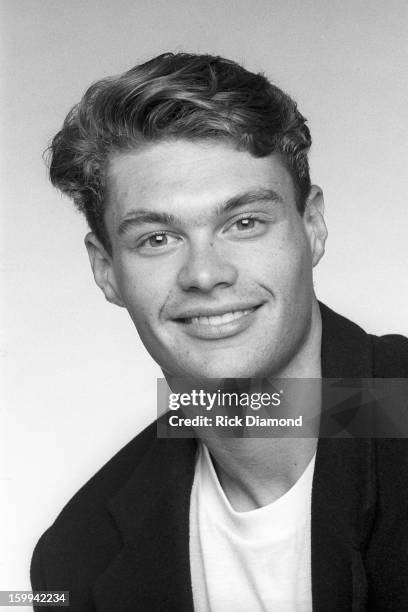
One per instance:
(390, 356)
(349, 352)
(390, 360)
(110, 478)
(84, 529)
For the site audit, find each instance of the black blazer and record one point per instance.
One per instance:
(122, 543)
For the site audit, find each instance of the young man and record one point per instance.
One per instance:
(193, 175)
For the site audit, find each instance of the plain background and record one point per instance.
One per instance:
(78, 383)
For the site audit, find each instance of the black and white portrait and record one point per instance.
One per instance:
(210, 191)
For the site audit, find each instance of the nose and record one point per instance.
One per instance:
(204, 269)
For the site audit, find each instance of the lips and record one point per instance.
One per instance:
(221, 319)
(217, 323)
(215, 315)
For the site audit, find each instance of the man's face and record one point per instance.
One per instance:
(210, 257)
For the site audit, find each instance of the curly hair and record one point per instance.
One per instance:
(185, 96)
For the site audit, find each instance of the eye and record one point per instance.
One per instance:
(158, 240)
(247, 226)
(246, 223)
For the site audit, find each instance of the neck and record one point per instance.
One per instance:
(256, 472)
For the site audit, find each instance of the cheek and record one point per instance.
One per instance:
(294, 254)
(137, 289)
(144, 288)
(281, 264)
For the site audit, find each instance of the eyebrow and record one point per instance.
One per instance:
(143, 216)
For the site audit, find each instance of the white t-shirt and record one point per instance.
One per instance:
(249, 561)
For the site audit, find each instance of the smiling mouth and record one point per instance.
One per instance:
(217, 320)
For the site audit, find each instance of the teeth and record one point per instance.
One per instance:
(220, 319)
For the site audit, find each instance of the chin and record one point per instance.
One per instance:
(224, 370)
(248, 362)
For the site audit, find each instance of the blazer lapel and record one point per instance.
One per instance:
(152, 571)
(343, 493)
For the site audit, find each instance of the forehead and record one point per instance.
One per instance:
(176, 174)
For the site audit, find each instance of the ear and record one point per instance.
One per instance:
(102, 268)
(314, 224)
